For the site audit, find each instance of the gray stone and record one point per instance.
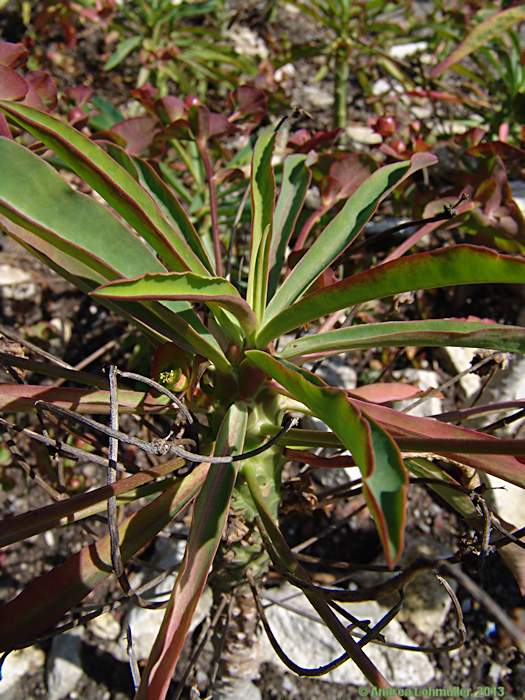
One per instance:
(104, 627)
(311, 645)
(16, 283)
(460, 359)
(426, 602)
(337, 371)
(64, 667)
(425, 379)
(237, 689)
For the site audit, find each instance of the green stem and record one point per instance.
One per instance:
(284, 559)
(342, 74)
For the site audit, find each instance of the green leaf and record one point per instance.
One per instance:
(294, 185)
(206, 530)
(263, 196)
(150, 317)
(35, 197)
(455, 497)
(83, 241)
(171, 207)
(111, 181)
(108, 115)
(435, 333)
(374, 451)
(342, 230)
(183, 285)
(461, 264)
(495, 25)
(124, 48)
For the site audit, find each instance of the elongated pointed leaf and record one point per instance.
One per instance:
(342, 230)
(461, 264)
(183, 286)
(400, 424)
(22, 397)
(43, 603)
(124, 48)
(495, 25)
(435, 333)
(171, 206)
(374, 451)
(294, 185)
(161, 321)
(208, 523)
(263, 195)
(86, 280)
(35, 197)
(111, 181)
(80, 506)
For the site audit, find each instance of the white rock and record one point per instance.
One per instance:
(461, 359)
(518, 193)
(64, 667)
(507, 499)
(425, 379)
(16, 283)
(104, 627)
(317, 96)
(311, 645)
(404, 50)
(285, 73)
(246, 42)
(381, 87)
(363, 134)
(18, 664)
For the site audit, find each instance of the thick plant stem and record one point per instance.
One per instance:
(284, 559)
(342, 73)
(214, 207)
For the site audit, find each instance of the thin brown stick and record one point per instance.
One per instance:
(490, 605)
(34, 348)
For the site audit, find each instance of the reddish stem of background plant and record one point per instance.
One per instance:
(214, 207)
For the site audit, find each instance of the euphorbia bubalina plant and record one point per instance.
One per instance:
(141, 256)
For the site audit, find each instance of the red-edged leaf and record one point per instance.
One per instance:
(455, 265)
(374, 451)
(137, 133)
(208, 523)
(400, 424)
(43, 603)
(22, 397)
